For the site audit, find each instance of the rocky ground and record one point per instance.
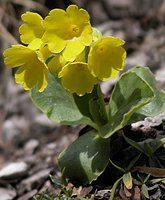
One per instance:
(29, 142)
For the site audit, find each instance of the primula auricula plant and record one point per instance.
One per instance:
(62, 60)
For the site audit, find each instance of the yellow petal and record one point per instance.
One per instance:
(80, 17)
(19, 76)
(44, 53)
(117, 57)
(72, 10)
(43, 79)
(33, 70)
(35, 44)
(76, 78)
(72, 50)
(32, 28)
(112, 41)
(62, 27)
(55, 43)
(38, 65)
(113, 74)
(106, 55)
(58, 23)
(22, 77)
(86, 36)
(55, 64)
(82, 56)
(31, 75)
(17, 55)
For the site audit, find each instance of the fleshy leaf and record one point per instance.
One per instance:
(134, 144)
(157, 105)
(86, 158)
(58, 104)
(131, 93)
(145, 191)
(115, 185)
(127, 179)
(93, 106)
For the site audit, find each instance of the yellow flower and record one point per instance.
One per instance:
(106, 57)
(32, 28)
(76, 77)
(69, 31)
(32, 68)
(56, 63)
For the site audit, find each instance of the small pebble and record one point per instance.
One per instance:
(7, 194)
(31, 146)
(13, 170)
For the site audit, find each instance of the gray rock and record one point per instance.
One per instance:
(42, 120)
(7, 194)
(103, 193)
(113, 28)
(31, 146)
(49, 188)
(28, 195)
(49, 149)
(160, 78)
(41, 125)
(34, 181)
(161, 12)
(151, 121)
(95, 7)
(137, 58)
(13, 170)
(13, 128)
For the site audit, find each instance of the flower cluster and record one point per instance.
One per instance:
(66, 44)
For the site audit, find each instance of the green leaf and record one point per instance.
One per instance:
(92, 105)
(159, 144)
(127, 179)
(148, 149)
(135, 145)
(146, 178)
(160, 155)
(115, 185)
(97, 108)
(116, 166)
(155, 162)
(137, 182)
(86, 158)
(134, 160)
(59, 105)
(131, 93)
(156, 180)
(145, 191)
(157, 105)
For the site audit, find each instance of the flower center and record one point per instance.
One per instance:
(102, 49)
(74, 30)
(79, 66)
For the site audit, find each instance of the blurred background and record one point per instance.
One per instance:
(26, 135)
